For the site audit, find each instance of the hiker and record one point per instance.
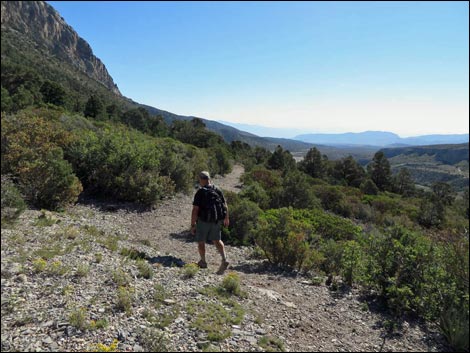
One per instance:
(209, 212)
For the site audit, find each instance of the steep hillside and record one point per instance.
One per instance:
(39, 22)
(38, 45)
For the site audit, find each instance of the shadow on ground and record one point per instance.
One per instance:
(184, 236)
(167, 261)
(108, 205)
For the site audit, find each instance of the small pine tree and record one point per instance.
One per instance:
(380, 171)
(94, 108)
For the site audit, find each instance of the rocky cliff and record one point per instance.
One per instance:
(41, 23)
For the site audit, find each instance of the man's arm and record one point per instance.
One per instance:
(226, 220)
(194, 214)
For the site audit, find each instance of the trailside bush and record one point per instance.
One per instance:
(284, 240)
(243, 217)
(327, 225)
(268, 179)
(121, 164)
(413, 273)
(49, 182)
(295, 192)
(32, 143)
(219, 160)
(255, 192)
(180, 162)
(11, 201)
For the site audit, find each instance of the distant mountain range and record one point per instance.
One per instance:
(380, 138)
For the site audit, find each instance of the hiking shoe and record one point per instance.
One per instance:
(202, 264)
(222, 268)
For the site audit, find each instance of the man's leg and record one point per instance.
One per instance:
(219, 244)
(201, 246)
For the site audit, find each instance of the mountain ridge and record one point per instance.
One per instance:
(381, 139)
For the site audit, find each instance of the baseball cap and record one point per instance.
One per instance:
(204, 175)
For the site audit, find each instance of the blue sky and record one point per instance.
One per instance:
(318, 66)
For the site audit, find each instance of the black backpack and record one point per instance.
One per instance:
(213, 207)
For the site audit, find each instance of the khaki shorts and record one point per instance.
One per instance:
(207, 231)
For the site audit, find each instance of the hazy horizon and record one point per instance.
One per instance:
(329, 67)
(292, 132)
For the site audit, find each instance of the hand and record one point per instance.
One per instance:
(226, 222)
(193, 230)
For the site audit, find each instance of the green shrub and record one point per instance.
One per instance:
(78, 319)
(327, 225)
(231, 283)
(219, 160)
(214, 319)
(296, 192)
(268, 179)
(190, 270)
(145, 269)
(352, 261)
(368, 187)
(333, 199)
(39, 265)
(121, 164)
(124, 300)
(32, 143)
(49, 182)
(454, 324)
(12, 202)
(154, 340)
(332, 252)
(121, 278)
(243, 217)
(283, 239)
(83, 270)
(271, 344)
(255, 193)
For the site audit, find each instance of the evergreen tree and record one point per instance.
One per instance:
(380, 171)
(137, 118)
(403, 183)
(368, 187)
(442, 193)
(7, 103)
(113, 112)
(22, 98)
(349, 171)
(313, 164)
(281, 160)
(53, 93)
(157, 126)
(94, 108)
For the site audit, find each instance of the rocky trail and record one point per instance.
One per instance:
(71, 282)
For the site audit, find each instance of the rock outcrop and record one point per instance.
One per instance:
(41, 23)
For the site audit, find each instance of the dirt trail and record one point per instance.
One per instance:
(167, 227)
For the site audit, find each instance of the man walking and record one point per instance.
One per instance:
(209, 212)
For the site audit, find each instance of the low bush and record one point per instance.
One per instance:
(12, 203)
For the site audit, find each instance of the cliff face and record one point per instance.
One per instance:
(41, 23)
